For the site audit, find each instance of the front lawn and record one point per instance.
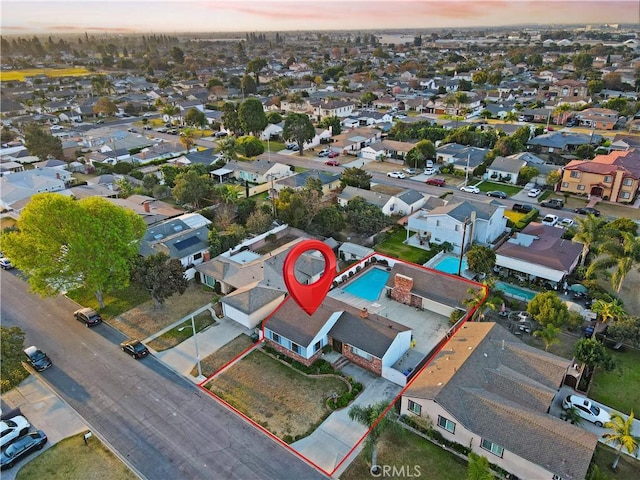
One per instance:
(116, 302)
(71, 458)
(628, 468)
(417, 456)
(281, 399)
(180, 333)
(212, 363)
(619, 389)
(502, 187)
(394, 246)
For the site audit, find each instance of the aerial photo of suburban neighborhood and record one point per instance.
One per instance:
(177, 178)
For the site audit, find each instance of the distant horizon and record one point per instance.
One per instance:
(61, 17)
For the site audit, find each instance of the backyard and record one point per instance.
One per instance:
(620, 388)
(394, 246)
(284, 401)
(71, 458)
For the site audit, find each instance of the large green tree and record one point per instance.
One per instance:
(333, 122)
(195, 118)
(255, 66)
(105, 107)
(161, 276)
(61, 242)
(621, 435)
(299, 129)
(590, 232)
(11, 370)
(251, 115)
(481, 259)
(594, 354)
(191, 188)
(356, 177)
(230, 118)
(417, 157)
(547, 308)
(620, 252)
(42, 144)
(364, 217)
(250, 146)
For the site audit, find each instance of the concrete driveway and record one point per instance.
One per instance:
(45, 411)
(556, 410)
(337, 435)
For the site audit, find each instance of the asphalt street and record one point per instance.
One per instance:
(160, 423)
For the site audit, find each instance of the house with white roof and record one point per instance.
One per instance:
(21, 186)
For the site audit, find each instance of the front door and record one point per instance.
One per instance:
(337, 346)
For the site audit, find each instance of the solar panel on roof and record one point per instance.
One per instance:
(187, 242)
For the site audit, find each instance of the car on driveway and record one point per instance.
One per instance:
(470, 189)
(496, 194)
(5, 263)
(396, 175)
(37, 358)
(88, 316)
(429, 171)
(410, 171)
(587, 210)
(332, 163)
(534, 192)
(438, 182)
(135, 348)
(21, 448)
(550, 220)
(587, 409)
(333, 155)
(13, 428)
(566, 223)
(324, 153)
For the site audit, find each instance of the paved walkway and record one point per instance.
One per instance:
(45, 411)
(183, 357)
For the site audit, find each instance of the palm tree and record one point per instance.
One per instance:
(478, 468)
(188, 138)
(621, 436)
(549, 335)
(590, 230)
(511, 117)
(572, 414)
(377, 418)
(621, 251)
(607, 310)
(227, 147)
(559, 112)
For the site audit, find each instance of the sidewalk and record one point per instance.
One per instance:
(45, 411)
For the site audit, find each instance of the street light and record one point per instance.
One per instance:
(195, 340)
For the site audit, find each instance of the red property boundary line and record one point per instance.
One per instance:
(391, 404)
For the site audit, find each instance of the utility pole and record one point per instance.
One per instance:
(195, 341)
(466, 171)
(464, 235)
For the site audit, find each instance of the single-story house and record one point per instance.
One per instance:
(491, 392)
(330, 181)
(462, 157)
(386, 149)
(563, 141)
(505, 169)
(23, 185)
(258, 171)
(403, 203)
(353, 252)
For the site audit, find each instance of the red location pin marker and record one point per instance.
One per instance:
(309, 297)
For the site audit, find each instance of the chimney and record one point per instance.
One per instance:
(206, 256)
(364, 313)
(146, 206)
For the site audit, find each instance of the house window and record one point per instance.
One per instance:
(565, 184)
(447, 424)
(415, 407)
(361, 353)
(275, 337)
(317, 346)
(574, 174)
(457, 228)
(627, 182)
(580, 187)
(492, 447)
(607, 179)
(295, 348)
(625, 195)
(437, 223)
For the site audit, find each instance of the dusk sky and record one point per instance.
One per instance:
(142, 16)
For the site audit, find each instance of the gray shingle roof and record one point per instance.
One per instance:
(461, 211)
(374, 198)
(252, 299)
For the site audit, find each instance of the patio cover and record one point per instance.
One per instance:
(529, 268)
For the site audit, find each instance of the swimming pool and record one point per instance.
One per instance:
(515, 291)
(450, 265)
(369, 285)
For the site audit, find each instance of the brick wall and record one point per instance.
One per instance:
(401, 291)
(294, 355)
(374, 365)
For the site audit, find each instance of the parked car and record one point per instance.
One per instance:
(522, 207)
(21, 448)
(438, 182)
(534, 192)
(132, 130)
(333, 155)
(37, 358)
(470, 189)
(56, 127)
(333, 163)
(553, 203)
(98, 122)
(587, 409)
(429, 171)
(135, 348)
(410, 171)
(5, 263)
(221, 133)
(147, 114)
(497, 194)
(566, 223)
(88, 316)
(587, 210)
(550, 220)
(324, 153)
(396, 175)
(13, 428)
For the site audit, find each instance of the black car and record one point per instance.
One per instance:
(88, 316)
(587, 210)
(497, 194)
(135, 348)
(21, 448)
(37, 358)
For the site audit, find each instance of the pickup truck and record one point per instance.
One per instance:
(522, 207)
(553, 203)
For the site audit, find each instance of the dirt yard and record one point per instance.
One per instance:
(281, 399)
(144, 320)
(215, 361)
